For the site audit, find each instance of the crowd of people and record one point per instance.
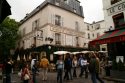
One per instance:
(67, 64)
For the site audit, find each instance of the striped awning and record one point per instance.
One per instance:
(110, 37)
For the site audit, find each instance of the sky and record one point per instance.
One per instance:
(93, 9)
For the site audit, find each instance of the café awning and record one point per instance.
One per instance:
(110, 37)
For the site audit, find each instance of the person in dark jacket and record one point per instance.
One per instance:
(68, 67)
(8, 70)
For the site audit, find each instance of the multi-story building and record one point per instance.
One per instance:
(53, 25)
(93, 31)
(114, 16)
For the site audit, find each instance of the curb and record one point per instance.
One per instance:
(114, 79)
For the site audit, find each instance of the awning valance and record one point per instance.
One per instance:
(110, 37)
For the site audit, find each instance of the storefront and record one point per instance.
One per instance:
(115, 41)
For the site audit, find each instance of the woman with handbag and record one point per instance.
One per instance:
(25, 74)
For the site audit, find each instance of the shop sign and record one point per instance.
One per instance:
(116, 8)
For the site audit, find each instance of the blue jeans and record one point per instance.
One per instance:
(8, 78)
(93, 77)
(59, 75)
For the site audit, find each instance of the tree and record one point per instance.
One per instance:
(9, 28)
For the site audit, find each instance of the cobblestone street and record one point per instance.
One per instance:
(52, 79)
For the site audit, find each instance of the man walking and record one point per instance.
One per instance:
(44, 64)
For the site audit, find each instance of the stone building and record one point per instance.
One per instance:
(54, 25)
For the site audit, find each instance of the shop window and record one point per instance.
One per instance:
(114, 1)
(119, 21)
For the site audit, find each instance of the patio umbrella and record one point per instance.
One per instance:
(85, 51)
(61, 52)
(75, 52)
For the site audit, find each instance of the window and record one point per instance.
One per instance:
(119, 21)
(24, 31)
(88, 36)
(87, 27)
(77, 41)
(77, 26)
(98, 26)
(58, 38)
(66, 1)
(57, 20)
(93, 34)
(35, 24)
(98, 34)
(114, 1)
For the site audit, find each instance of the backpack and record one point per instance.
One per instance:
(44, 63)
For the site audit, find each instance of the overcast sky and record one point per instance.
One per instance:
(93, 10)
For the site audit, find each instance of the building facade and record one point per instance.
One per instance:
(93, 31)
(54, 25)
(114, 37)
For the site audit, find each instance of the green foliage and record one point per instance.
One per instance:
(9, 28)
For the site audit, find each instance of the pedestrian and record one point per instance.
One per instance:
(74, 65)
(8, 70)
(83, 65)
(107, 67)
(60, 68)
(68, 67)
(92, 66)
(98, 69)
(44, 64)
(34, 71)
(25, 76)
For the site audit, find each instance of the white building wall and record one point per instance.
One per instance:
(46, 19)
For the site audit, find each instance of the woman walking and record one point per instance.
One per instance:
(60, 68)
(74, 65)
(25, 74)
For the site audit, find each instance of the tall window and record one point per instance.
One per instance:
(114, 1)
(58, 38)
(88, 36)
(98, 34)
(35, 24)
(119, 20)
(77, 41)
(87, 27)
(24, 31)
(77, 26)
(57, 20)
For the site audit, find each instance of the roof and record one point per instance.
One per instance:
(44, 4)
(110, 37)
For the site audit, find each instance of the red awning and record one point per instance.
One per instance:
(110, 37)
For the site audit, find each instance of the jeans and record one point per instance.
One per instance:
(8, 78)
(59, 75)
(74, 72)
(98, 78)
(68, 74)
(44, 73)
(93, 77)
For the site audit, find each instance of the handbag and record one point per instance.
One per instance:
(26, 77)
